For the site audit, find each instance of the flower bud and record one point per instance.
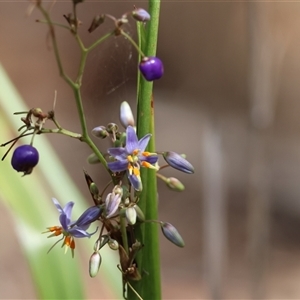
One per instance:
(171, 233)
(113, 244)
(94, 189)
(174, 184)
(94, 264)
(178, 162)
(126, 116)
(100, 132)
(141, 15)
(139, 213)
(131, 215)
(112, 204)
(93, 159)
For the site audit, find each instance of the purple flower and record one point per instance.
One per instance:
(112, 201)
(75, 229)
(132, 157)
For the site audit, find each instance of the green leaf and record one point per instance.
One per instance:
(28, 199)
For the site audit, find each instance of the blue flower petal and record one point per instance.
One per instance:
(151, 159)
(118, 153)
(64, 221)
(58, 206)
(118, 166)
(112, 203)
(136, 182)
(78, 232)
(89, 216)
(131, 140)
(143, 142)
(68, 209)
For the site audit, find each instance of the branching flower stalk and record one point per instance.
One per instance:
(128, 212)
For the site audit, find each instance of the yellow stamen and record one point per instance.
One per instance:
(135, 152)
(136, 171)
(129, 158)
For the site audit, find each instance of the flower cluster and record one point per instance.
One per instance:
(117, 213)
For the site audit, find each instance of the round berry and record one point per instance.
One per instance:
(25, 158)
(152, 68)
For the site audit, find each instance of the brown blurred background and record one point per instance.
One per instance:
(228, 99)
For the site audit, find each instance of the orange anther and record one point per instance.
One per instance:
(135, 152)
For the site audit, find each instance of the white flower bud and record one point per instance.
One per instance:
(131, 215)
(126, 116)
(94, 264)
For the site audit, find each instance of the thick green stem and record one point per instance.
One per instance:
(148, 258)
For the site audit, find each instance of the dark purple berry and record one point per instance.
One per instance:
(25, 158)
(152, 68)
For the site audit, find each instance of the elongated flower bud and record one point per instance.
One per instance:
(94, 264)
(93, 159)
(139, 213)
(176, 161)
(112, 204)
(126, 116)
(131, 215)
(174, 184)
(171, 233)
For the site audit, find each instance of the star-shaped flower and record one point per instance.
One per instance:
(75, 229)
(132, 157)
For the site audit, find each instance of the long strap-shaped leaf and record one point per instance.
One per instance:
(56, 276)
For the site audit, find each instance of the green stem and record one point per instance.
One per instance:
(148, 258)
(95, 44)
(76, 85)
(54, 43)
(63, 131)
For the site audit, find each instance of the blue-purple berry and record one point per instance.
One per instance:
(25, 158)
(152, 68)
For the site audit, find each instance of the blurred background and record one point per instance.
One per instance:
(228, 100)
